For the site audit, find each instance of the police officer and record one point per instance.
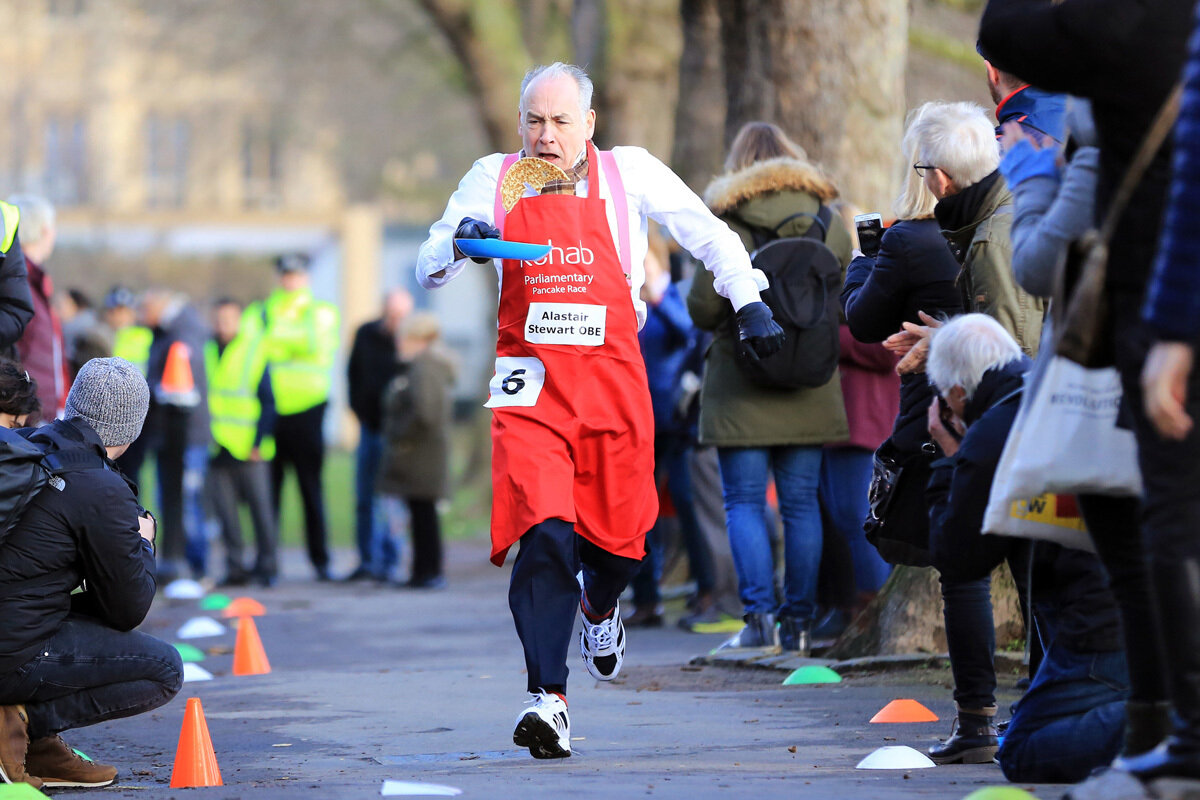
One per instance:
(301, 339)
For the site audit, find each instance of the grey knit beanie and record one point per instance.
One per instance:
(112, 396)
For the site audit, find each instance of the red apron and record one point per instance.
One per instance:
(572, 426)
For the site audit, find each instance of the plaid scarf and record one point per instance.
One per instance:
(574, 175)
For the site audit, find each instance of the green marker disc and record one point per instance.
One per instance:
(812, 673)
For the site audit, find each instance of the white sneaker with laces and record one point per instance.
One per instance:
(544, 727)
(602, 644)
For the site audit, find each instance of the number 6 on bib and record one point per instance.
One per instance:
(518, 382)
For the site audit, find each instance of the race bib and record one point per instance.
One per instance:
(518, 382)
(565, 323)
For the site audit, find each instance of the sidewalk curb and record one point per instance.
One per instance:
(766, 658)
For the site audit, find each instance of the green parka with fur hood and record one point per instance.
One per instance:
(733, 411)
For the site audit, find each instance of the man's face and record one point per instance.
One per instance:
(397, 305)
(226, 320)
(293, 280)
(119, 317)
(552, 126)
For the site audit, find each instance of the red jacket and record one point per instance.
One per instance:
(870, 388)
(40, 347)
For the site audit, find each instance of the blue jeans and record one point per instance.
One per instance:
(845, 479)
(1070, 721)
(88, 673)
(377, 550)
(797, 471)
(181, 474)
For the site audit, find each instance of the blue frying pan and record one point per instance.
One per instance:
(499, 248)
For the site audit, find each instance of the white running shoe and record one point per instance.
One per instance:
(544, 727)
(602, 644)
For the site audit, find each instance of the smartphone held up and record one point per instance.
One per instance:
(870, 231)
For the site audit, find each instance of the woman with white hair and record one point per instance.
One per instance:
(913, 272)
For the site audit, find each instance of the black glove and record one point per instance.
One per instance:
(758, 334)
(470, 228)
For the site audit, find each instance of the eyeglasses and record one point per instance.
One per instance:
(921, 168)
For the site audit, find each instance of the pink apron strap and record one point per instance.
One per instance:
(620, 206)
(498, 214)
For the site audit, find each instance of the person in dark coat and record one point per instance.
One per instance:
(70, 659)
(913, 272)
(178, 426)
(372, 365)
(1125, 58)
(417, 412)
(668, 341)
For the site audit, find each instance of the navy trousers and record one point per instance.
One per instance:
(544, 595)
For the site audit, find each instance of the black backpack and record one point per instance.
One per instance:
(805, 279)
(26, 468)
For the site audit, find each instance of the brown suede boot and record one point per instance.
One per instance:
(58, 765)
(14, 743)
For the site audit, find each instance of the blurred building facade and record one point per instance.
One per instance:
(116, 129)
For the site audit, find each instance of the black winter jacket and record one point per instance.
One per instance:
(1124, 56)
(373, 363)
(170, 421)
(913, 271)
(87, 533)
(1069, 586)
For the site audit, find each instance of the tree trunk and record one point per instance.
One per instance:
(638, 80)
(700, 113)
(831, 73)
(486, 37)
(906, 616)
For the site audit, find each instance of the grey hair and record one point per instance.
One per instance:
(959, 139)
(966, 347)
(37, 216)
(555, 70)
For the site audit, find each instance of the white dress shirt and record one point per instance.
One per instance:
(653, 192)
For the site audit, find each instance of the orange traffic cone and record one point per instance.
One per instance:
(177, 372)
(904, 711)
(249, 658)
(195, 761)
(244, 607)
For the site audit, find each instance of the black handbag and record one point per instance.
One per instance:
(897, 522)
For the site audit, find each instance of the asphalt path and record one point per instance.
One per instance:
(372, 683)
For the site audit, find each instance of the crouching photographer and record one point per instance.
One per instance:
(67, 659)
(1072, 717)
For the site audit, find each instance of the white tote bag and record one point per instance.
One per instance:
(1066, 439)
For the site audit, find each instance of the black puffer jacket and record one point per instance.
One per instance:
(86, 533)
(914, 271)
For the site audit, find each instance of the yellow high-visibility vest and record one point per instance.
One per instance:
(300, 334)
(132, 343)
(11, 217)
(233, 405)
